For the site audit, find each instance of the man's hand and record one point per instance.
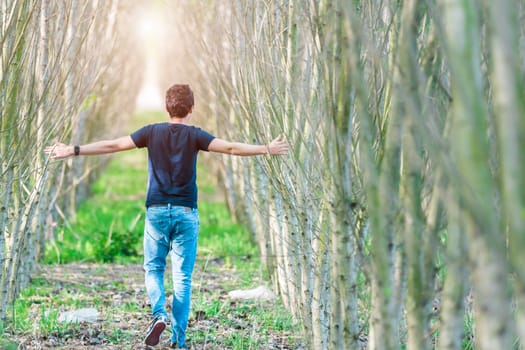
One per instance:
(59, 151)
(278, 147)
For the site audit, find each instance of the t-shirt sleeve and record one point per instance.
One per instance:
(204, 139)
(141, 136)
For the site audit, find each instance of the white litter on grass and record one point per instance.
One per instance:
(259, 293)
(80, 315)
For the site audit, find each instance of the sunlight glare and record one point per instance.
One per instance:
(149, 26)
(149, 30)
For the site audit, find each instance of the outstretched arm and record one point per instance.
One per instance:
(276, 147)
(60, 150)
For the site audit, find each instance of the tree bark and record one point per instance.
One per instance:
(469, 147)
(455, 285)
(509, 109)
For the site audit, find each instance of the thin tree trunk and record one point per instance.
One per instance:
(455, 285)
(382, 230)
(39, 223)
(407, 102)
(320, 293)
(4, 251)
(381, 329)
(279, 240)
(509, 108)
(494, 324)
(73, 48)
(345, 323)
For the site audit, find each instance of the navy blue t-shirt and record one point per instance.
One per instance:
(172, 161)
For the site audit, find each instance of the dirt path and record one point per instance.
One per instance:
(117, 292)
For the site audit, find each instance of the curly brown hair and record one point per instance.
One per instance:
(179, 100)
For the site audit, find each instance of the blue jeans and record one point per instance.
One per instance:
(171, 229)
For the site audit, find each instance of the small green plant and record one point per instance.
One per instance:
(6, 344)
(468, 337)
(49, 323)
(117, 336)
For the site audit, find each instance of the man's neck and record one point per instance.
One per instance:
(175, 120)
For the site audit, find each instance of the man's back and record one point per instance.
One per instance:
(172, 159)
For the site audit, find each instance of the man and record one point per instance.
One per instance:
(172, 221)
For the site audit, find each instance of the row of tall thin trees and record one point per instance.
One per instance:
(61, 64)
(398, 217)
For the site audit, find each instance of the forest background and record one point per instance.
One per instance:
(399, 215)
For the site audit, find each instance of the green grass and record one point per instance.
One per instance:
(251, 323)
(38, 297)
(221, 237)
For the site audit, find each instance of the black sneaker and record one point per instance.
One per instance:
(155, 330)
(175, 346)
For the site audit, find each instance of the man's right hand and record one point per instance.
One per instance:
(278, 147)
